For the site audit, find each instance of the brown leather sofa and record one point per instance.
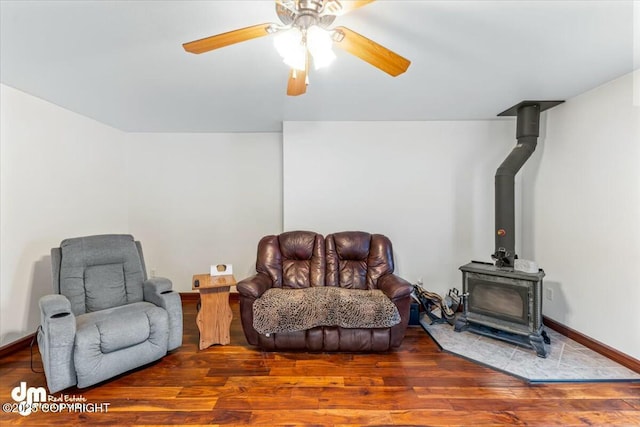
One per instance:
(301, 259)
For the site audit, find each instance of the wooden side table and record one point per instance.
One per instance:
(214, 316)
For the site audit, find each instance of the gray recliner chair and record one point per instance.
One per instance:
(107, 316)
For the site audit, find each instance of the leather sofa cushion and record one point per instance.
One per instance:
(356, 260)
(293, 260)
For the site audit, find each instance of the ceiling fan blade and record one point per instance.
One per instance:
(370, 51)
(226, 39)
(297, 84)
(349, 5)
(298, 79)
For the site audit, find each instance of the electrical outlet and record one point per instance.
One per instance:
(152, 272)
(549, 293)
(419, 282)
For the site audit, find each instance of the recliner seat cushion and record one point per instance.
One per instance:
(118, 339)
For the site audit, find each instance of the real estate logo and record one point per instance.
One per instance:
(27, 400)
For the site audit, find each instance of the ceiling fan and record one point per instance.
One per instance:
(305, 36)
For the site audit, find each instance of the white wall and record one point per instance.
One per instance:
(192, 199)
(62, 175)
(428, 186)
(584, 214)
(202, 199)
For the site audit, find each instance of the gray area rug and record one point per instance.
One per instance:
(567, 360)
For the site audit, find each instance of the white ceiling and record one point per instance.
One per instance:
(122, 63)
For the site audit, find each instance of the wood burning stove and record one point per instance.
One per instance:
(504, 304)
(500, 301)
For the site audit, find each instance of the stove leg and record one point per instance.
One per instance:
(537, 342)
(461, 324)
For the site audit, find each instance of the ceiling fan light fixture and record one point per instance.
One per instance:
(290, 46)
(305, 35)
(319, 43)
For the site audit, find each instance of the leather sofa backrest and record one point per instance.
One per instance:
(295, 259)
(356, 259)
(99, 272)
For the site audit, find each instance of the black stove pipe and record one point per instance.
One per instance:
(527, 135)
(527, 131)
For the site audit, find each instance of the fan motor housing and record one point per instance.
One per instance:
(306, 14)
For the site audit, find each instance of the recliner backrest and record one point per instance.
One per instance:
(295, 259)
(99, 272)
(356, 259)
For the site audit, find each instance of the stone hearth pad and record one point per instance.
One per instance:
(568, 361)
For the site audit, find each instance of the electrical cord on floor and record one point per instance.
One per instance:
(33, 340)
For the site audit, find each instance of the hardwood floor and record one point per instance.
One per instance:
(239, 385)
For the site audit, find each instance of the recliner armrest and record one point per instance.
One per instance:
(56, 337)
(254, 286)
(156, 286)
(159, 291)
(394, 287)
(54, 306)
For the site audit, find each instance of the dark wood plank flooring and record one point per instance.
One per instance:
(239, 385)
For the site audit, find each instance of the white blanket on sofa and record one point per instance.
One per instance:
(287, 310)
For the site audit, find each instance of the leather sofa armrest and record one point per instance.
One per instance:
(398, 291)
(254, 286)
(394, 287)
